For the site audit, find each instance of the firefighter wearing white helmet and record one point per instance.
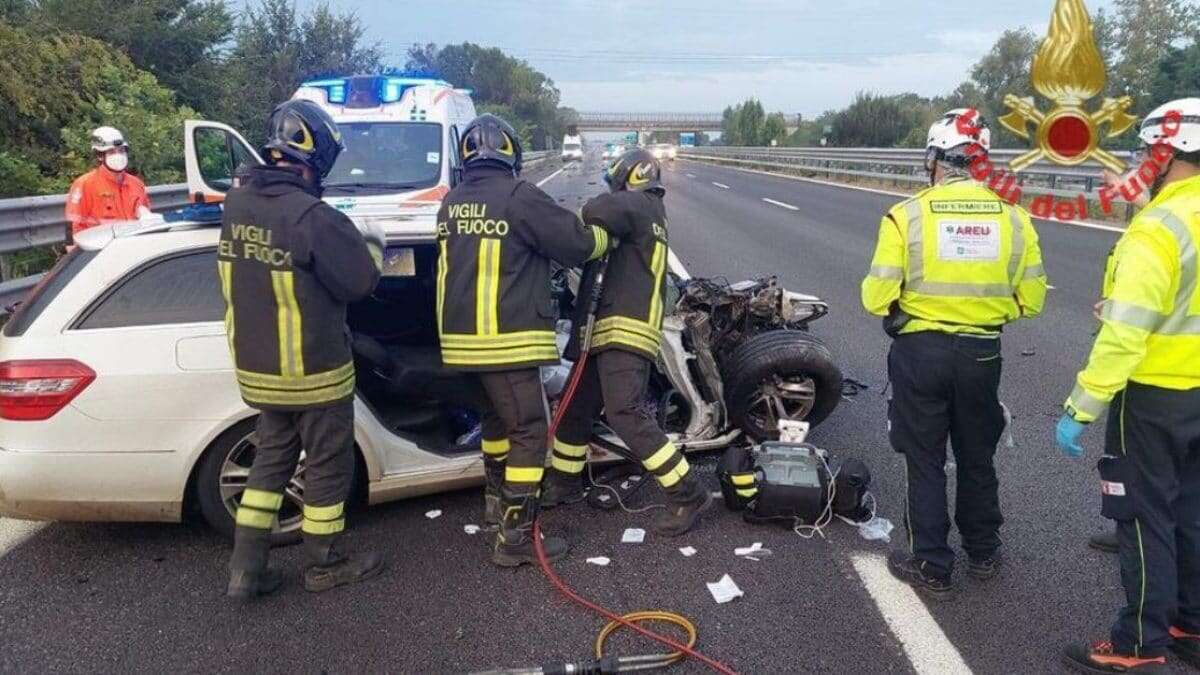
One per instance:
(952, 266)
(1144, 373)
(108, 192)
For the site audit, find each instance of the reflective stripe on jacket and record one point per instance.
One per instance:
(957, 259)
(630, 314)
(496, 238)
(1151, 312)
(289, 264)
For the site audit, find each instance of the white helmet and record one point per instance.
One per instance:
(961, 126)
(107, 138)
(1176, 123)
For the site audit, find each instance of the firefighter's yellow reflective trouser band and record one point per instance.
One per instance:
(497, 450)
(744, 485)
(324, 520)
(313, 389)
(258, 509)
(568, 458)
(667, 465)
(527, 475)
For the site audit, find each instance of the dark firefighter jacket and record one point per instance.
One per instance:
(289, 264)
(630, 313)
(496, 238)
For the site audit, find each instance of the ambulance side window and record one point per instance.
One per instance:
(218, 157)
(455, 168)
(176, 289)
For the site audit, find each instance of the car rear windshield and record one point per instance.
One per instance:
(46, 290)
(382, 157)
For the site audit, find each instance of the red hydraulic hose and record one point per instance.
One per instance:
(539, 550)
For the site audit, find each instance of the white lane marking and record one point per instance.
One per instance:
(927, 647)
(545, 180)
(786, 206)
(721, 185)
(691, 175)
(1076, 223)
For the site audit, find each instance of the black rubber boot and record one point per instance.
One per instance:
(1105, 542)
(686, 500)
(493, 472)
(914, 573)
(514, 541)
(328, 568)
(249, 576)
(560, 487)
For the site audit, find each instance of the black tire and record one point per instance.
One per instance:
(795, 360)
(214, 506)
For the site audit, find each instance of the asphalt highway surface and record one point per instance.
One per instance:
(149, 598)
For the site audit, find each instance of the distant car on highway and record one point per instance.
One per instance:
(664, 151)
(119, 401)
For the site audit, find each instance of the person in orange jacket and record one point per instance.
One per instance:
(108, 192)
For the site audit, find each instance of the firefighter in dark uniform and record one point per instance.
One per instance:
(625, 342)
(497, 236)
(289, 264)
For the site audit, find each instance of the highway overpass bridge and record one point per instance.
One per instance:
(644, 123)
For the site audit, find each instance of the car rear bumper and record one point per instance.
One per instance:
(88, 486)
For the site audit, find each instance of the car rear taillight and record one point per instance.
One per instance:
(37, 390)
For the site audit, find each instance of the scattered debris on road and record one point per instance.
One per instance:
(687, 551)
(754, 552)
(599, 560)
(725, 590)
(633, 535)
(433, 514)
(471, 529)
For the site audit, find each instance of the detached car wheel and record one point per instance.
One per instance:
(221, 479)
(781, 374)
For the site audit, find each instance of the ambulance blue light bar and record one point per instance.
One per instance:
(369, 90)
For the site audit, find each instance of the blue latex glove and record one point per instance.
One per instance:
(1067, 436)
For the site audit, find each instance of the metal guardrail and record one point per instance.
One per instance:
(901, 165)
(33, 222)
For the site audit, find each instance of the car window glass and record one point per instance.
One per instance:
(216, 156)
(179, 289)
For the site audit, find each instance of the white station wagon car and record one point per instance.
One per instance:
(118, 399)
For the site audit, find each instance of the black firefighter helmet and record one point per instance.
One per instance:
(635, 170)
(300, 131)
(490, 141)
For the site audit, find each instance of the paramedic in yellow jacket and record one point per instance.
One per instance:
(953, 265)
(1144, 373)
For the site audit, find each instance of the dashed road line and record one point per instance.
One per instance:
(545, 180)
(1077, 223)
(691, 175)
(784, 205)
(927, 647)
(721, 185)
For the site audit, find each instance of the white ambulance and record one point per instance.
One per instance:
(400, 135)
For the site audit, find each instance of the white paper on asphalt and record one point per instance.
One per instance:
(724, 590)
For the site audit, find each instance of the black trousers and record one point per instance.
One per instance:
(1152, 445)
(326, 435)
(947, 387)
(518, 402)
(615, 381)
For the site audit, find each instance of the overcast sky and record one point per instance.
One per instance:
(797, 56)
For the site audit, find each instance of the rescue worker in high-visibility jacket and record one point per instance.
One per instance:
(625, 341)
(497, 236)
(1144, 370)
(953, 265)
(289, 264)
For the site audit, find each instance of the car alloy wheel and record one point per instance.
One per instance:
(781, 397)
(235, 471)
